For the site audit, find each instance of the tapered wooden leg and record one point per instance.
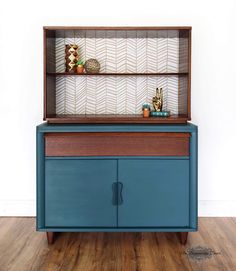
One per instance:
(183, 237)
(50, 237)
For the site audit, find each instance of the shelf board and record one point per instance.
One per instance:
(118, 74)
(120, 118)
(117, 27)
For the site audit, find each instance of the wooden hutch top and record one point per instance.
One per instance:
(134, 62)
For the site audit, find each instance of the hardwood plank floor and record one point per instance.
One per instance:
(24, 249)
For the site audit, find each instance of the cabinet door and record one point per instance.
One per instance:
(78, 193)
(155, 193)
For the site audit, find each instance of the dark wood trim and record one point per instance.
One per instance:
(117, 144)
(184, 84)
(189, 70)
(49, 81)
(44, 74)
(117, 27)
(80, 118)
(50, 237)
(119, 74)
(183, 237)
(156, 134)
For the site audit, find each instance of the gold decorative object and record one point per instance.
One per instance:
(157, 100)
(71, 57)
(92, 66)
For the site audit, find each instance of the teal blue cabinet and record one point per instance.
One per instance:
(117, 193)
(155, 193)
(78, 193)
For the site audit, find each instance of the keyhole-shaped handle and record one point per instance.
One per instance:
(114, 194)
(119, 193)
(117, 198)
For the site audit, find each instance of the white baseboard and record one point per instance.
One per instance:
(222, 208)
(205, 208)
(17, 208)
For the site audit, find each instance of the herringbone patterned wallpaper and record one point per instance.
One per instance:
(142, 51)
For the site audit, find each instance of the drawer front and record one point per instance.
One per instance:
(117, 144)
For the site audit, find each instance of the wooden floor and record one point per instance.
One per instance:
(24, 249)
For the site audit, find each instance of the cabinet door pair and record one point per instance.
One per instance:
(117, 193)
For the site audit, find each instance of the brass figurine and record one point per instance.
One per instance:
(157, 100)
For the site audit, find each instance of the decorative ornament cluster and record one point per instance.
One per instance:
(157, 103)
(73, 64)
(91, 66)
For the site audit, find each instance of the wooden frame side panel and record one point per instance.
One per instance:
(184, 92)
(49, 66)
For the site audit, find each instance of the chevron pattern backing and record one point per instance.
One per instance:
(112, 94)
(119, 52)
(125, 51)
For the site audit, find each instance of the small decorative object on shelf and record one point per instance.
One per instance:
(71, 57)
(92, 66)
(146, 110)
(160, 113)
(157, 100)
(80, 66)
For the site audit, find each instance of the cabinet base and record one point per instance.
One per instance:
(50, 237)
(183, 237)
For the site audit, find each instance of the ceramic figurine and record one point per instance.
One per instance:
(80, 66)
(71, 57)
(157, 100)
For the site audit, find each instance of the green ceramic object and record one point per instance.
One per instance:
(160, 113)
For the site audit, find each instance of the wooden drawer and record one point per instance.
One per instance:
(117, 144)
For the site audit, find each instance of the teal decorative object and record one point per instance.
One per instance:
(160, 113)
(146, 106)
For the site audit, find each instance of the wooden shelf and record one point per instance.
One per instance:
(117, 27)
(80, 118)
(119, 74)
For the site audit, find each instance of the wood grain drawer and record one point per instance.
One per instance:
(117, 144)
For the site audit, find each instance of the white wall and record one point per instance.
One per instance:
(213, 87)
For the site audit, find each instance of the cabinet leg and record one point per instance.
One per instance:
(50, 237)
(183, 237)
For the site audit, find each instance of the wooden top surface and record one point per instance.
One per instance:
(117, 27)
(46, 127)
